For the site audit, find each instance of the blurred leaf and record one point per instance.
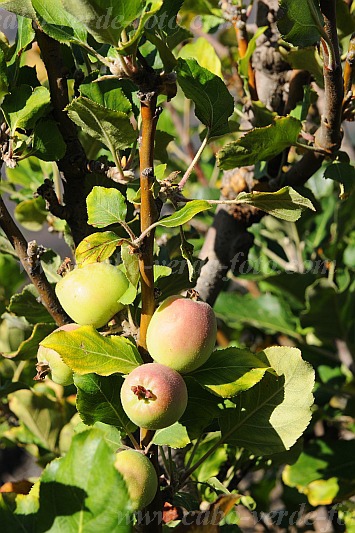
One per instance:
(301, 22)
(10, 386)
(97, 247)
(27, 304)
(272, 415)
(260, 144)
(343, 173)
(213, 102)
(243, 62)
(105, 207)
(306, 58)
(85, 351)
(4, 86)
(58, 23)
(20, 7)
(162, 139)
(112, 128)
(265, 312)
(42, 415)
(228, 372)
(28, 348)
(31, 214)
(98, 400)
(48, 143)
(323, 471)
(23, 107)
(285, 204)
(204, 53)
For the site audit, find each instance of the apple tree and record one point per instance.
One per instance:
(181, 343)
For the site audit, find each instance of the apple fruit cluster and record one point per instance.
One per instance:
(180, 338)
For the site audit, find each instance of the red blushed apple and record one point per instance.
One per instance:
(50, 362)
(154, 396)
(140, 477)
(182, 333)
(90, 294)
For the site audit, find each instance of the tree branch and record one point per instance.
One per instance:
(74, 164)
(32, 265)
(328, 137)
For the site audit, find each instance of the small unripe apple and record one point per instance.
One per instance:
(90, 294)
(140, 477)
(50, 362)
(182, 333)
(154, 396)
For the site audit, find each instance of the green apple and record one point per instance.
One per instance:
(90, 294)
(182, 333)
(154, 396)
(50, 362)
(140, 477)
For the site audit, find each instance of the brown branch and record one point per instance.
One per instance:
(242, 39)
(149, 212)
(349, 67)
(328, 137)
(47, 192)
(31, 264)
(73, 164)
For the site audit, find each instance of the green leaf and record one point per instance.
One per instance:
(107, 94)
(184, 214)
(300, 22)
(323, 462)
(230, 371)
(112, 128)
(25, 36)
(48, 143)
(85, 351)
(106, 207)
(24, 106)
(266, 312)
(150, 7)
(272, 415)
(343, 173)
(162, 139)
(174, 436)
(98, 400)
(58, 23)
(29, 347)
(27, 304)
(260, 144)
(213, 102)
(104, 19)
(20, 7)
(31, 214)
(202, 408)
(83, 491)
(131, 264)
(204, 53)
(243, 63)
(285, 204)
(212, 465)
(97, 247)
(4, 86)
(41, 414)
